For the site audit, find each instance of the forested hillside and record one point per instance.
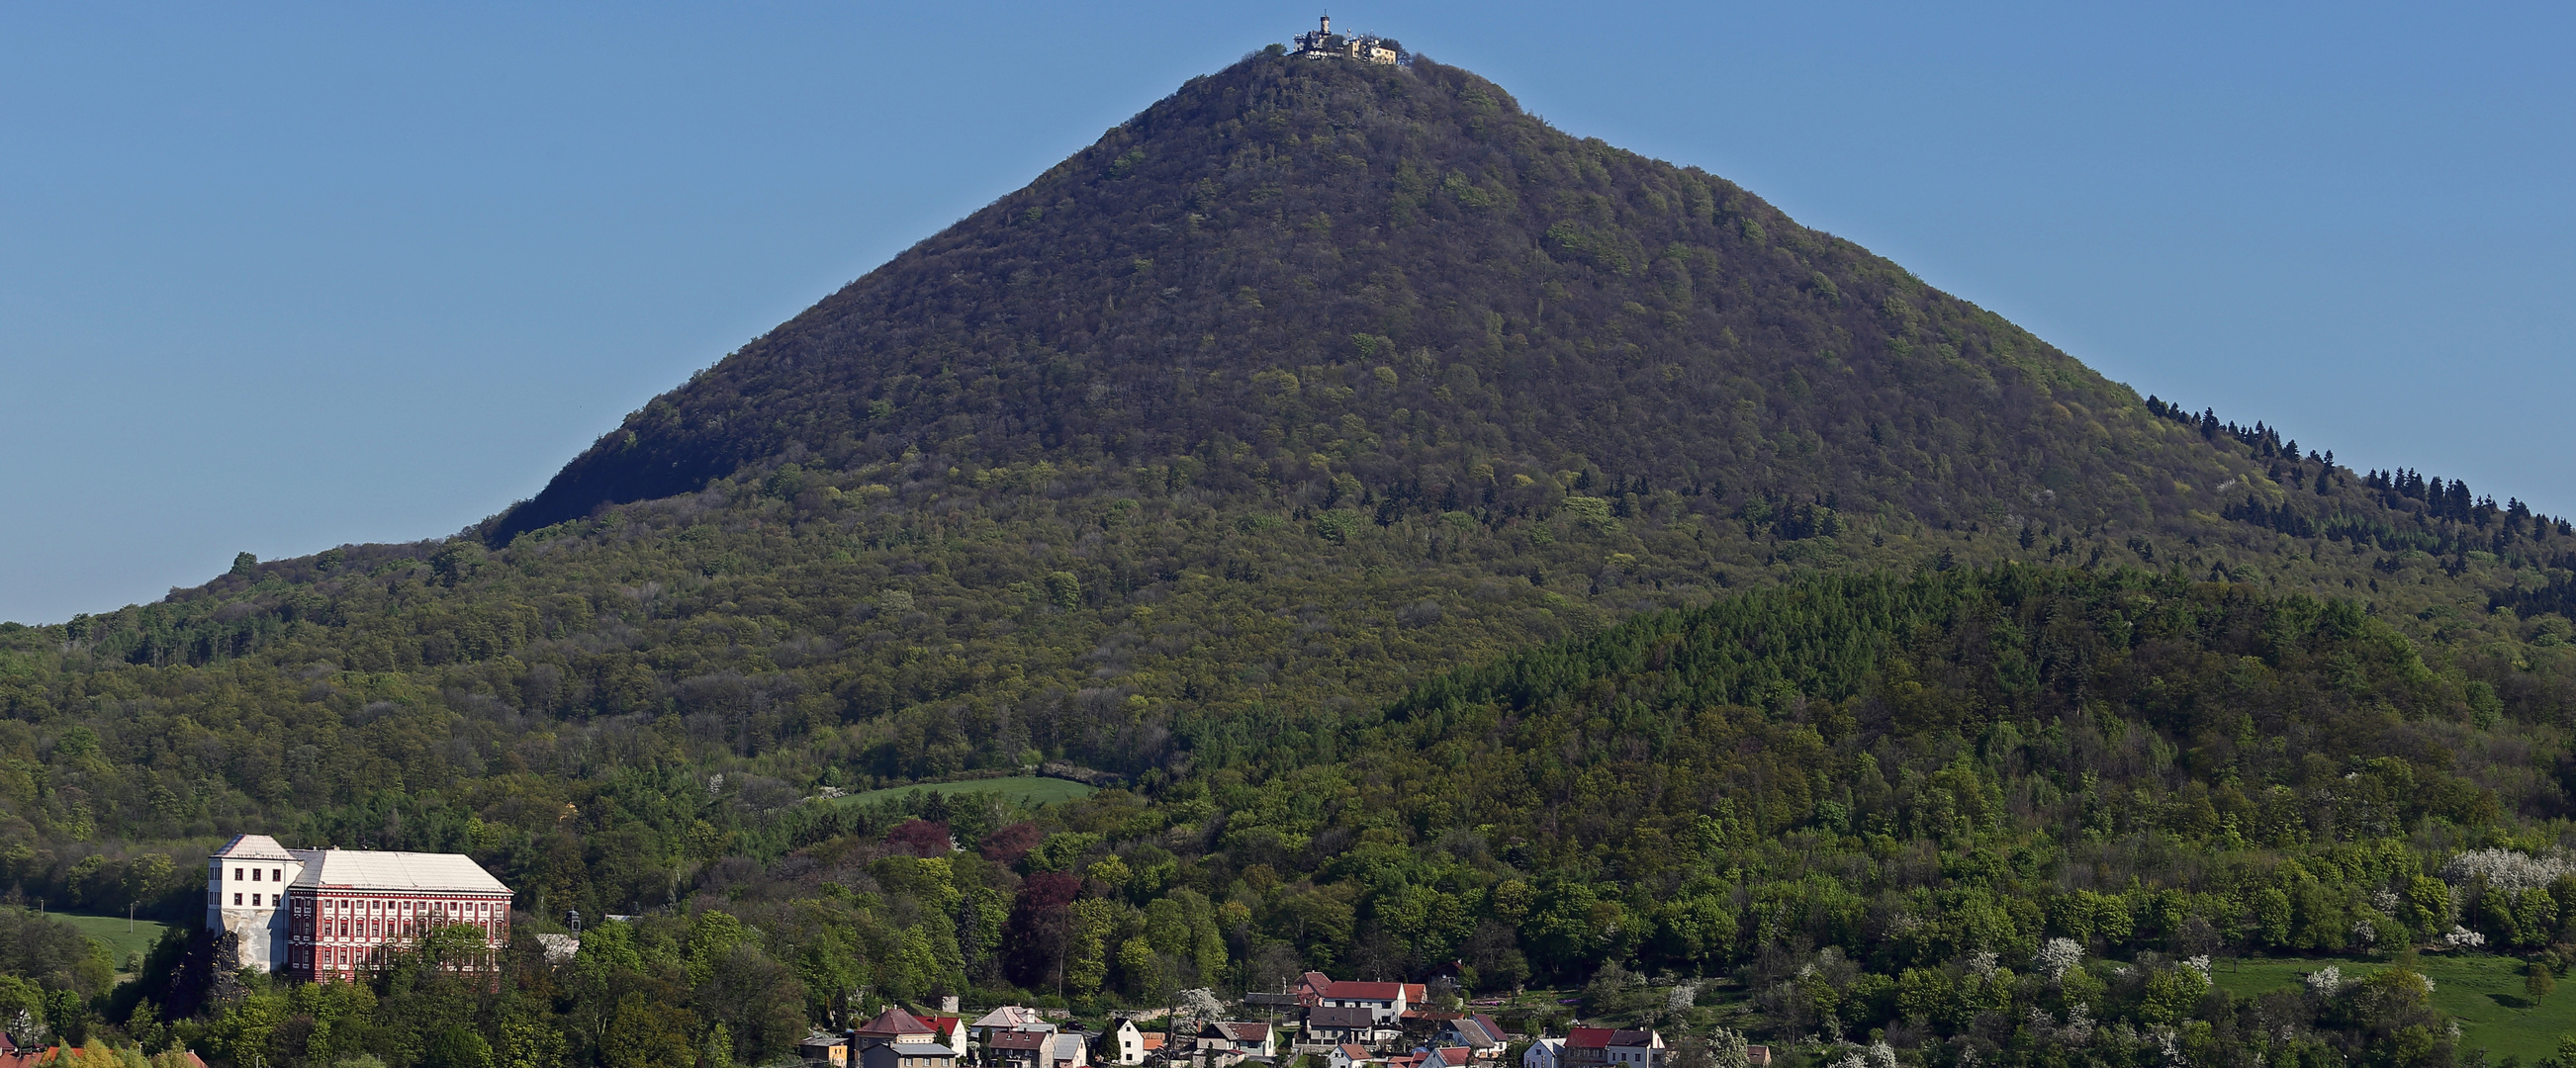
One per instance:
(1986, 815)
(1475, 549)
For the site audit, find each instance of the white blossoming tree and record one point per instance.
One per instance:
(2056, 957)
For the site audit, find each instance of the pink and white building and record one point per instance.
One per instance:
(332, 914)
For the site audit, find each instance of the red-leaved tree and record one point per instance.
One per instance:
(921, 838)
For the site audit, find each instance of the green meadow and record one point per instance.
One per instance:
(1025, 789)
(2484, 991)
(122, 940)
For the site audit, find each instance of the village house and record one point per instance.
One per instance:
(1544, 1052)
(825, 1049)
(1636, 1049)
(1226, 1042)
(1386, 1001)
(1349, 1055)
(907, 1055)
(1009, 1018)
(949, 1031)
(893, 1026)
(1336, 1025)
(1310, 988)
(1127, 1044)
(1479, 1034)
(1019, 1049)
(1603, 1047)
(1433, 1057)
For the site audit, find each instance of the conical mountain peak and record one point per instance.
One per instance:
(1306, 261)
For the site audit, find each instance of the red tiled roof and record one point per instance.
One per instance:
(896, 1022)
(1351, 989)
(1588, 1038)
(1413, 993)
(1029, 1040)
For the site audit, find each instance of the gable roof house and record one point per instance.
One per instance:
(1636, 1049)
(1446, 1056)
(1348, 1055)
(1227, 1042)
(1478, 1033)
(1387, 1001)
(1310, 988)
(949, 1031)
(893, 1025)
(1123, 1043)
(1017, 1049)
(1544, 1052)
(1602, 1047)
(1010, 1018)
(1336, 1025)
(826, 1049)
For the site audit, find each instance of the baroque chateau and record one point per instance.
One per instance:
(326, 914)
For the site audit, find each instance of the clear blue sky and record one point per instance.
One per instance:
(274, 278)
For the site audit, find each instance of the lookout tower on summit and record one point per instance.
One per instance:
(1322, 43)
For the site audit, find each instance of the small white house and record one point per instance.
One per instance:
(1127, 1044)
(1544, 1053)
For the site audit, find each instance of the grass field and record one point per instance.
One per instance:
(111, 930)
(1026, 789)
(2482, 990)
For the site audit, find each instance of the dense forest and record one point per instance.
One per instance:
(1471, 551)
(1982, 814)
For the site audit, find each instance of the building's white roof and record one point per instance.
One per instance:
(1010, 1016)
(433, 873)
(254, 847)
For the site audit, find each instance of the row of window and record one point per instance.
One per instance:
(463, 911)
(275, 875)
(400, 909)
(347, 928)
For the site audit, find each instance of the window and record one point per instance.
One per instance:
(254, 900)
(237, 875)
(277, 875)
(254, 875)
(236, 899)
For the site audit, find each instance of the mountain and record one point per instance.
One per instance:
(1290, 273)
(1457, 542)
